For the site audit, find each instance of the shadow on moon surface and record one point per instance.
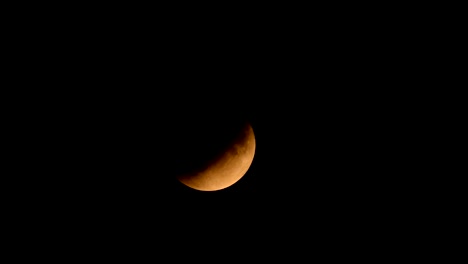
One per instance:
(196, 143)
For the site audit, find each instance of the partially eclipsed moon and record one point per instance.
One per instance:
(226, 168)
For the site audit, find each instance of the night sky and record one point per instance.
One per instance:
(307, 153)
(108, 144)
(118, 151)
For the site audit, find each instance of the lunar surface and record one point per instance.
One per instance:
(227, 167)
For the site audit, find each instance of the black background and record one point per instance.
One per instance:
(117, 106)
(111, 155)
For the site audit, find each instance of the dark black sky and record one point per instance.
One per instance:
(308, 149)
(108, 136)
(115, 135)
(315, 171)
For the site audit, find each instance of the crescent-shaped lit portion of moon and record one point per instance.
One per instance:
(228, 168)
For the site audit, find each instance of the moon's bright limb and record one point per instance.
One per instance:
(227, 168)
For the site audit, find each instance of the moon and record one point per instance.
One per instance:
(226, 167)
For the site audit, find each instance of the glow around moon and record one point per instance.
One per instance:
(227, 168)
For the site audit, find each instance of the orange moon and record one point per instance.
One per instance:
(226, 168)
